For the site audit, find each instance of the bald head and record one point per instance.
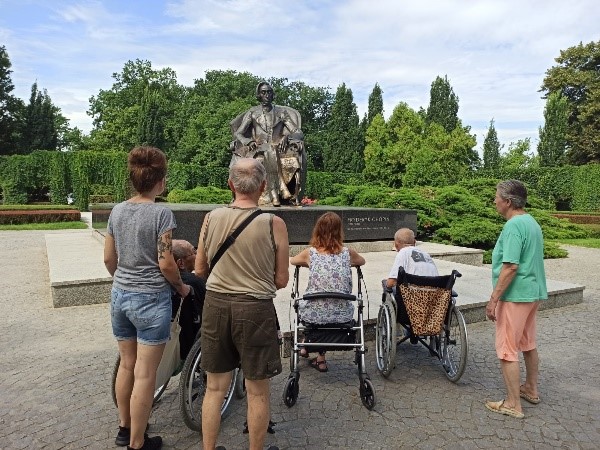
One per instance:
(404, 237)
(247, 175)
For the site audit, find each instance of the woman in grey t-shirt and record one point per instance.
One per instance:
(138, 254)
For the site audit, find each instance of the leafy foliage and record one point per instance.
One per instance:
(577, 78)
(461, 214)
(518, 156)
(200, 195)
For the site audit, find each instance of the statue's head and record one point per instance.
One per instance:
(264, 93)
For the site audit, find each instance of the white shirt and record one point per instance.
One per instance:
(415, 262)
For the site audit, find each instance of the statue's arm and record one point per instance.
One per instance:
(242, 130)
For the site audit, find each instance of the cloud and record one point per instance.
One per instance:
(495, 54)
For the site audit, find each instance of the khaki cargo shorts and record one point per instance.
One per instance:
(239, 330)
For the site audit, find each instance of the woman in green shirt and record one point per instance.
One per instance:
(519, 284)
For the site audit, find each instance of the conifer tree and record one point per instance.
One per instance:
(11, 108)
(344, 144)
(491, 148)
(375, 103)
(443, 105)
(553, 136)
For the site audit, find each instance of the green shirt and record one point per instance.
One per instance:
(521, 242)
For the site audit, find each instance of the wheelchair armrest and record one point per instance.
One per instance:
(336, 295)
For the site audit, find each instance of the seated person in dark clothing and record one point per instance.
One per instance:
(191, 311)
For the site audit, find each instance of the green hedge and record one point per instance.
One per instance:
(200, 195)
(17, 217)
(462, 214)
(567, 187)
(35, 207)
(25, 178)
(327, 184)
(55, 174)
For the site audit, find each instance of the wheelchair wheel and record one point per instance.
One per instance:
(385, 340)
(240, 385)
(290, 392)
(192, 387)
(367, 394)
(454, 346)
(157, 393)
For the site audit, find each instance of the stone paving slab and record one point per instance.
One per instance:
(56, 364)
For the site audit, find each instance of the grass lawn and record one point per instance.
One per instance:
(46, 226)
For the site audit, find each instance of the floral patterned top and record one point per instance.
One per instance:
(328, 273)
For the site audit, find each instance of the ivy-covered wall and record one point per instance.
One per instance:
(25, 178)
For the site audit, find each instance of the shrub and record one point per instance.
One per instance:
(200, 195)
(461, 214)
(551, 251)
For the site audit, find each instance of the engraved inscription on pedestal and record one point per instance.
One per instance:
(360, 224)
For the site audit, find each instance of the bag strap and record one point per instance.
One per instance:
(231, 239)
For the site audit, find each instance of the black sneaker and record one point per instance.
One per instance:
(124, 435)
(220, 447)
(150, 443)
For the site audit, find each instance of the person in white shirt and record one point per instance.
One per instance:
(415, 261)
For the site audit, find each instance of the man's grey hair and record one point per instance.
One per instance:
(513, 190)
(178, 250)
(246, 175)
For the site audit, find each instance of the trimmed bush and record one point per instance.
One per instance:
(17, 217)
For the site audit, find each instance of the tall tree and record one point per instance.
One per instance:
(491, 148)
(11, 108)
(41, 122)
(375, 103)
(553, 136)
(117, 112)
(443, 105)
(344, 144)
(577, 77)
(314, 105)
(392, 145)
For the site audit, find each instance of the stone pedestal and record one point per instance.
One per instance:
(360, 224)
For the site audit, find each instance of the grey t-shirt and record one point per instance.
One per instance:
(136, 228)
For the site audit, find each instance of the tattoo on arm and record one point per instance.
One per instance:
(165, 243)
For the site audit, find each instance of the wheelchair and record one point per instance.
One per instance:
(192, 383)
(335, 336)
(428, 315)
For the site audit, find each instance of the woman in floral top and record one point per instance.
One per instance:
(329, 264)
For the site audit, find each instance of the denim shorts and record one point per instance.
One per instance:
(145, 316)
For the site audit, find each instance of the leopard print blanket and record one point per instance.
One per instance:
(426, 307)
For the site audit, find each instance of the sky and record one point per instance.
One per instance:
(494, 52)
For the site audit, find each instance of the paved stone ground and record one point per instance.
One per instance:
(55, 369)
